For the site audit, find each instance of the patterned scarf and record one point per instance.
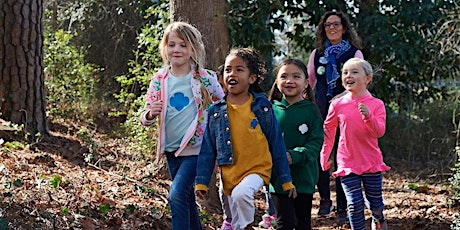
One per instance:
(331, 54)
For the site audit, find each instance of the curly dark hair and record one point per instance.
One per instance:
(349, 32)
(256, 65)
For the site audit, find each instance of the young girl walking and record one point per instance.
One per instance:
(361, 119)
(179, 96)
(302, 128)
(245, 138)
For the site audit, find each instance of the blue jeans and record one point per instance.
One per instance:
(372, 183)
(181, 199)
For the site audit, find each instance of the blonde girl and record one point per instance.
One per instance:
(178, 99)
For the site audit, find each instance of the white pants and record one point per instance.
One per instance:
(242, 201)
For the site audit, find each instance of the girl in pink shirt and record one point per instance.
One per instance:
(361, 119)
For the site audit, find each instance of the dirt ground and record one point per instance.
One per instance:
(56, 184)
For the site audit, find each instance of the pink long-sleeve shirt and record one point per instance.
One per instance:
(358, 151)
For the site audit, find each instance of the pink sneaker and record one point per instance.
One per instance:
(226, 226)
(268, 221)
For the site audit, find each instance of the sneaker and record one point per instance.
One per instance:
(325, 208)
(342, 217)
(226, 226)
(267, 221)
(377, 225)
(273, 221)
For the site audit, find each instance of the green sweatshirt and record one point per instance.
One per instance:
(302, 129)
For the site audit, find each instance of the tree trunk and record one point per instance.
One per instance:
(22, 94)
(208, 16)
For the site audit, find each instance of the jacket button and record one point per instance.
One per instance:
(230, 158)
(266, 109)
(227, 128)
(229, 142)
(215, 114)
(225, 115)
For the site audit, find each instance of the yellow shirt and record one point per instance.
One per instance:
(250, 147)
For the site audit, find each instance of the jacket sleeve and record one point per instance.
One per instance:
(330, 128)
(153, 95)
(207, 157)
(277, 149)
(376, 121)
(312, 146)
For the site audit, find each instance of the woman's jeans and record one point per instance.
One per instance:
(181, 199)
(372, 183)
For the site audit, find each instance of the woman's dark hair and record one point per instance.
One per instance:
(349, 32)
(256, 65)
(275, 93)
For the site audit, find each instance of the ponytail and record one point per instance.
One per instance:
(206, 98)
(308, 94)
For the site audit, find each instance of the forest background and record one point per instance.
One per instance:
(97, 58)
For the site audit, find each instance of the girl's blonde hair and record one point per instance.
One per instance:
(367, 67)
(194, 41)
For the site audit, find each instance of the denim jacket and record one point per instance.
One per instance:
(217, 142)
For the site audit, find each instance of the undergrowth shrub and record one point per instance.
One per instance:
(425, 134)
(69, 80)
(134, 85)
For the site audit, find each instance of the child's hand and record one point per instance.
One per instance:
(289, 158)
(292, 193)
(200, 194)
(155, 110)
(363, 110)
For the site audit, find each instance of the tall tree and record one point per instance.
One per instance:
(22, 92)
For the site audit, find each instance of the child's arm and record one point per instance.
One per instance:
(206, 160)
(314, 140)
(153, 103)
(277, 149)
(374, 120)
(330, 128)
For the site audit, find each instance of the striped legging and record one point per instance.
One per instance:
(372, 183)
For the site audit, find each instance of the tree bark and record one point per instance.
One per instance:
(208, 16)
(22, 92)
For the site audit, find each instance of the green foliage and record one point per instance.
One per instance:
(423, 134)
(252, 24)
(130, 209)
(55, 181)
(419, 188)
(14, 145)
(18, 183)
(135, 84)
(104, 208)
(107, 30)
(65, 211)
(70, 81)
